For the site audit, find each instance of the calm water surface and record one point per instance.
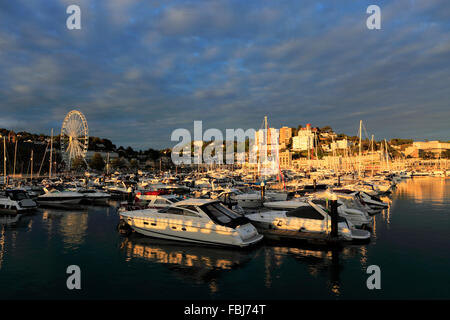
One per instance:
(410, 243)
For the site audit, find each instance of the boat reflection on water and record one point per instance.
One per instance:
(205, 265)
(2, 245)
(320, 261)
(201, 264)
(385, 213)
(425, 189)
(10, 226)
(71, 225)
(9, 220)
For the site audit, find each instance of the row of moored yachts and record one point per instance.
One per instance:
(241, 214)
(220, 208)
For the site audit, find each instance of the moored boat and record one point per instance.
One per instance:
(200, 221)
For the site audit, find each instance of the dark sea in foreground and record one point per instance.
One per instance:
(410, 244)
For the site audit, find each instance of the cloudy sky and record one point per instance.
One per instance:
(140, 69)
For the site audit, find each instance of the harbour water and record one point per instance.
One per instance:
(410, 244)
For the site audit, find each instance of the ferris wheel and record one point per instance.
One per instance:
(74, 137)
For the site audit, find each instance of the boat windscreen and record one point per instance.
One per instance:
(305, 212)
(324, 203)
(222, 215)
(17, 195)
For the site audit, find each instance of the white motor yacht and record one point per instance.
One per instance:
(250, 200)
(356, 200)
(151, 202)
(15, 202)
(357, 217)
(55, 197)
(373, 201)
(201, 221)
(162, 201)
(308, 217)
(94, 196)
(276, 195)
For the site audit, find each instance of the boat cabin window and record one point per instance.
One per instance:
(323, 203)
(175, 199)
(192, 208)
(161, 201)
(172, 210)
(305, 212)
(191, 213)
(17, 195)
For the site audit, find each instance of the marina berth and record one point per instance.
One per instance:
(200, 221)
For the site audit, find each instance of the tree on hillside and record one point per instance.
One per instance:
(118, 163)
(326, 129)
(78, 164)
(134, 164)
(152, 154)
(97, 162)
(397, 142)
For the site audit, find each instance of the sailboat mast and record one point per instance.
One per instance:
(387, 154)
(51, 152)
(107, 164)
(265, 123)
(264, 146)
(15, 155)
(372, 155)
(4, 159)
(317, 145)
(31, 160)
(360, 142)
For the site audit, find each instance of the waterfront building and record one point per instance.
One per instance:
(341, 144)
(304, 139)
(285, 135)
(12, 137)
(285, 159)
(435, 147)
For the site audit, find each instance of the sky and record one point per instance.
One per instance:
(140, 69)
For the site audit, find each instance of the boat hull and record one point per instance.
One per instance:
(177, 237)
(56, 201)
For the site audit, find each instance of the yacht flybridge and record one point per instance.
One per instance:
(202, 221)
